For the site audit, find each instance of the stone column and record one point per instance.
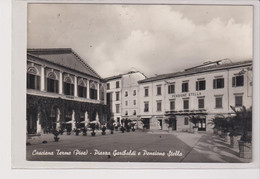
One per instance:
(60, 83)
(98, 91)
(97, 118)
(88, 89)
(42, 78)
(75, 86)
(58, 120)
(73, 124)
(86, 119)
(39, 127)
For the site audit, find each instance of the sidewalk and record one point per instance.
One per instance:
(212, 148)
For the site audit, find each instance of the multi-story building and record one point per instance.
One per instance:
(63, 91)
(123, 95)
(204, 91)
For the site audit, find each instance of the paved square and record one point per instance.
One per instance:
(135, 146)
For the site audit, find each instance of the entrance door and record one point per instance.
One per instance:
(202, 124)
(173, 123)
(146, 122)
(160, 122)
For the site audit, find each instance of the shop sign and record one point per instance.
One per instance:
(186, 94)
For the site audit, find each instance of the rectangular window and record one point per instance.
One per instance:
(108, 86)
(218, 83)
(201, 103)
(117, 108)
(186, 121)
(126, 103)
(200, 85)
(238, 81)
(126, 113)
(126, 94)
(185, 87)
(219, 102)
(238, 101)
(185, 104)
(117, 96)
(134, 113)
(117, 84)
(171, 89)
(159, 106)
(134, 102)
(146, 107)
(159, 90)
(146, 91)
(172, 105)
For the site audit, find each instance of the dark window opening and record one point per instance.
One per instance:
(68, 89)
(200, 85)
(185, 87)
(33, 82)
(238, 81)
(218, 83)
(171, 89)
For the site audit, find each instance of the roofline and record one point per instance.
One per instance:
(120, 75)
(247, 63)
(32, 56)
(69, 50)
(84, 63)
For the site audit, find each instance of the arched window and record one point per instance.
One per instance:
(93, 90)
(52, 82)
(82, 89)
(33, 78)
(68, 86)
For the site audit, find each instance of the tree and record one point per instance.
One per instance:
(243, 122)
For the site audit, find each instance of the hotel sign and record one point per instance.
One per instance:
(186, 94)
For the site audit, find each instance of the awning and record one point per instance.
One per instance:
(84, 122)
(69, 122)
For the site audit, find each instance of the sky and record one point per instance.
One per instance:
(153, 39)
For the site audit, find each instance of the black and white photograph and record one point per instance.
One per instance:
(156, 83)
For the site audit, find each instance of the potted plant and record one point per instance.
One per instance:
(77, 132)
(122, 129)
(93, 127)
(84, 131)
(56, 134)
(133, 126)
(104, 130)
(195, 120)
(112, 129)
(243, 120)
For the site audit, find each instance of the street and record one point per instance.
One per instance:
(135, 146)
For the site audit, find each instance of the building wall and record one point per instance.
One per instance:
(228, 94)
(113, 90)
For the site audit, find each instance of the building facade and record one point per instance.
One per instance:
(123, 95)
(203, 91)
(63, 92)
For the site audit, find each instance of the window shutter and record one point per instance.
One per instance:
(242, 80)
(233, 81)
(37, 82)
(222, 83)
(71, 89)
(197, 85)
(183, 87)
(214, 83)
